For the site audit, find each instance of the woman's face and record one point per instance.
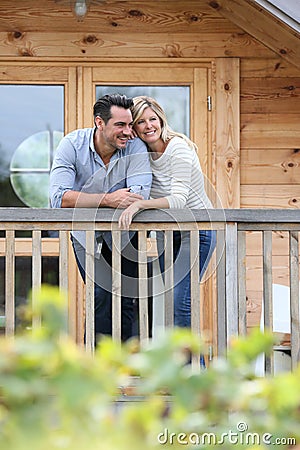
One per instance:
(148, 127)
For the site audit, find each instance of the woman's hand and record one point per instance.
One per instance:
(128, 214)
(133, 134)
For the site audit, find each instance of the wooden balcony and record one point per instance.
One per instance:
(224, 291)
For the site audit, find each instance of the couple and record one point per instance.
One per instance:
(105, 167)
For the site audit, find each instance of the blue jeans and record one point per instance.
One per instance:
(181, 261)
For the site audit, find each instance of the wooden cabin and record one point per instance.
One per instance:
(237, 64)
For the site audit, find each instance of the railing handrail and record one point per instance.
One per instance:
(90, 215)
(231, 226)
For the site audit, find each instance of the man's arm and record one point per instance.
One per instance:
(122, 198)
(63, 174)
(63, 180)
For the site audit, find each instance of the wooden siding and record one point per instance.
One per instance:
(113, 15)
(130, 45)
(122, 29)
(217, 36)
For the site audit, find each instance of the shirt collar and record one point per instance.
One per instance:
(92, 147)
(118, 154)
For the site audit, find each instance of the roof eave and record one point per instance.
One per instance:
(262, 25)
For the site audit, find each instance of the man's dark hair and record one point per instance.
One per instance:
(102, 107)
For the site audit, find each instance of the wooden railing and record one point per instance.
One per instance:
(229, 277)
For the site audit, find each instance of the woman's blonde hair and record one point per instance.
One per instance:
(142, 102)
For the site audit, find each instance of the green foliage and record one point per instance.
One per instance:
(54, 395)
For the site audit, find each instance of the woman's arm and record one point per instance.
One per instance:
(128, 214)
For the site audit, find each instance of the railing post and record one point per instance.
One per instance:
(242, 282)
(143, 286)
(195, 290)
(267, 289)
(63, 260)
(63, 268)
(195, 282)
(116, 285)
(10, 283)
(232, 315)
(221, 297)
(90, 292)
(294, 298)
(169, 279)
(36, 273)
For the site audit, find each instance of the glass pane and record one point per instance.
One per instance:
(31, 126)
(175, 100)
(23, 284)
(31, 188)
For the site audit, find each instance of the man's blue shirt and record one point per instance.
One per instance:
(78, 167)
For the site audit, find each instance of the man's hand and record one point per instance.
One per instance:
(121, 198)
(118, 199)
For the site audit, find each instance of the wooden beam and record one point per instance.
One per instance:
(62, 46)
(110, 16)
(228, 132)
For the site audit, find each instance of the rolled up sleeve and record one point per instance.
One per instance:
(62, 175)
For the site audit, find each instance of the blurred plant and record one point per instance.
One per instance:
(54, 395)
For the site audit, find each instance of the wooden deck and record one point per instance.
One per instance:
(228, 280)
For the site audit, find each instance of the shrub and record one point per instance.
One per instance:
(54, 395)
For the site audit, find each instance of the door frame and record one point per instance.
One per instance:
(217, 78)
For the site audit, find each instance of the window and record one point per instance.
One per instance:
(178, 112)
(31, 126)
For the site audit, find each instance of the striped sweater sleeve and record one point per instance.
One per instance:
(180, 169)
(177, 176)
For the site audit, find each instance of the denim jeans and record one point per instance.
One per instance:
(182, 276)
(103, 288)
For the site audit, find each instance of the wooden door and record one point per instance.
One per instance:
(196, 78)
(80, 84)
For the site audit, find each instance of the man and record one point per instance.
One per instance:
(103, 167)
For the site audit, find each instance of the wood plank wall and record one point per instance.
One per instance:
(268, 161)
(270, 134)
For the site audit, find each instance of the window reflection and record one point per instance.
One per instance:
(175, 100)
(23, 279)
(31, 125)
(30, 167)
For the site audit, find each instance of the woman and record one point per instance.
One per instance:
(177, 182)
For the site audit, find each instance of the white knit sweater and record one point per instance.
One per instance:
(177, 175)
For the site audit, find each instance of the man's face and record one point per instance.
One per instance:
(118, 129)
